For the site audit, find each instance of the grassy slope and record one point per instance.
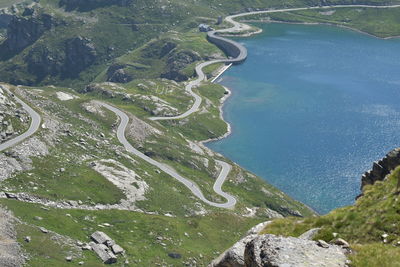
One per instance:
(374, 214)
(379, 22)
(79, 182)
(136, 232)
(167, 195)
(124, 29)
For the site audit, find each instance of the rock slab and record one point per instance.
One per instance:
(277, 251)
(104, 254)
(100, 237)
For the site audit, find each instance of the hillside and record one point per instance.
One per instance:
(74, 42)
(370, 225)
(363, 234)
(73, 177)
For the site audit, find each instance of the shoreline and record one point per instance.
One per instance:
(221, 115)
(314, 23)
(249, 34)
(220, 72)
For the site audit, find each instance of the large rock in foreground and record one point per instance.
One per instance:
(234, 256)
(278, 251)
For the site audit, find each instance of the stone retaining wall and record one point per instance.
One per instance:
(236, 51)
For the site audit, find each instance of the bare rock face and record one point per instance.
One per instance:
(381, 168)
(116, 73)
(23, 31)
(79, 53)
(177, 61)
(277, 251)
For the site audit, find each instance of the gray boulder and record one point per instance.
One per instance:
(104, 253)
(100, 237)
(278, 251)
(234, 256)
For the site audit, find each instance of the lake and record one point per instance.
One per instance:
(312, 108)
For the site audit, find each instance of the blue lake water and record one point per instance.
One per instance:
(312, 108)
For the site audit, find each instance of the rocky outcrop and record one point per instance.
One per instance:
(43, 61)
(23, 31)
(380, 169)
(278, 251)
(79, 54)
(256, 250)
(5, 18)
(177, 61)
(117, 74)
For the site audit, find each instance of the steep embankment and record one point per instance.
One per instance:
(371, 225)
(367, 233)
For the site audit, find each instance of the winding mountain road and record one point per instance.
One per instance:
(240, 27)
(34, 126)
(231, 201)
(240, 56)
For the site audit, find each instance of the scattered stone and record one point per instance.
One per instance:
(69, 258)
(86, 247)
(11, 195)
(81, 263)
(175, 255)
(322, 244)
(27, 239)
(43, 230)
(341, 242)
(37, 218)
